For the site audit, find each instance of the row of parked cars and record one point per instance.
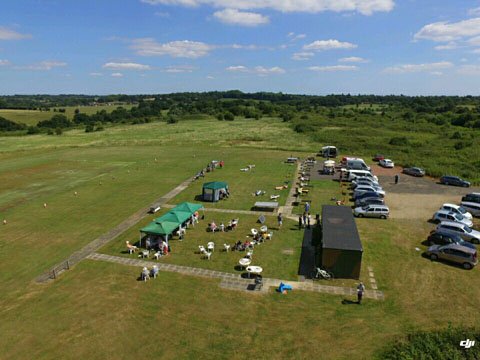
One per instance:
(368, 195)
(454, 238)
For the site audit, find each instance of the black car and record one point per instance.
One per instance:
(472, 197)
(414, 171)
(454, 180)
(441, 238)
(369, 201)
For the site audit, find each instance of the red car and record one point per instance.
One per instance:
(378, 157)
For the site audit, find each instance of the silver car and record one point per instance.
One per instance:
(374, 211)
(472, 208)
(465, 232)
(457, 209)
(445, 215)
(455, 253)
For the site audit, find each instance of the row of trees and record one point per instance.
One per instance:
(458, 111)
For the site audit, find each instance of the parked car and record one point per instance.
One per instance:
(414, 171)
(375, 211)
(369, 201)
(457, 209)
(473, 208)
(462, 230)
(386, 163)
(472, 197)
(443, 238)
(367, 195)
(378, 157)
(445, 215)
(454, 180)
(364, 189)
(455, 253)
(364, 182)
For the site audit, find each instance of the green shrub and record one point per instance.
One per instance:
(398, 141)
(435, 345)
(303, 128)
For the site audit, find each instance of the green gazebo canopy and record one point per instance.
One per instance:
(175, 216)
(165, 228)
(215, 185)
(188, 207)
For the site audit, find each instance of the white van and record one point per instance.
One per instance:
(357, 164)
(355, 174)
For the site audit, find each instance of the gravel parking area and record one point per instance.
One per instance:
(417, 198)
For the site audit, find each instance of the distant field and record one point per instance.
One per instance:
(32, 117)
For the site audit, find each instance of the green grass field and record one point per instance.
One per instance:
(32, 117)
(97, 310)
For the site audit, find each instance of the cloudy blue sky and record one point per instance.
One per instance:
(294, 46)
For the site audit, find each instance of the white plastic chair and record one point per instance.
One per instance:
(157, 255)
(211, 246)
(201, 248)
(226, 247)
(207, 254)
(254, 232)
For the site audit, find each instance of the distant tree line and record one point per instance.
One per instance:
(227, 105)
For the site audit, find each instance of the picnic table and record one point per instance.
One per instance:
(244, 262)
(256, 270)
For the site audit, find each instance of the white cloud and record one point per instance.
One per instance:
(238, 68)
(302, 56)
(448, 46)
(258, 70)
(4, 62)
(179, 69)
(476, 51)
(242, 18)
(353, 59)
(469, 70)
(331, 44)
(333, 68)
(117, 75)
(415, 68)
(43, 65)
(210, 77)
(444, 31)
(7, 34)
(95, 74)
(474, 11)
(180, 49)
(246, 47)
(125, 66)
(294, 37)
(365, 7)
(162, 14)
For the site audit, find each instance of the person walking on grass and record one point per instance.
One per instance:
(309, 218)
(280, 220)
(299, 222)
(396, 179)
(305, 219)
(360, 291)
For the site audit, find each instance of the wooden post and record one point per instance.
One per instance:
(68, 265)
(54, 276)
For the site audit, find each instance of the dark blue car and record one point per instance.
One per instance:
(370, 194)
(454, 180)
(442, 238)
